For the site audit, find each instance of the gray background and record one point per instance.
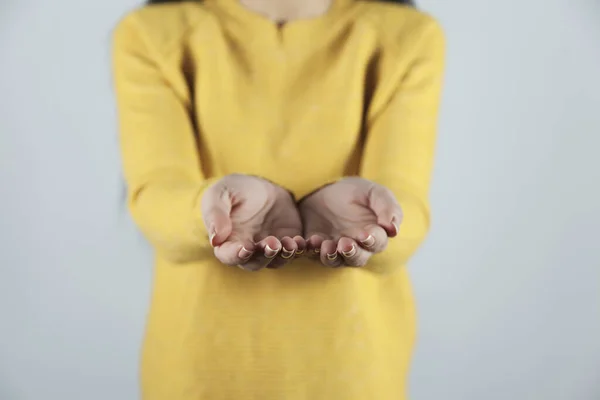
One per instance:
(508, 283)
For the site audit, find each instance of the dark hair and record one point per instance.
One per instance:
(407, 2)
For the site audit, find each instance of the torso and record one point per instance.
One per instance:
(284, 99)
(280, 94)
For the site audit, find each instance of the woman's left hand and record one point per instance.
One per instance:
(346, 222)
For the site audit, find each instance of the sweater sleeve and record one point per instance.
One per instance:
(400, 141)
(159, 148)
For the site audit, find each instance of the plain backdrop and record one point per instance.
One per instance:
(508, 283)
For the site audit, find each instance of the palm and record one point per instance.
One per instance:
(254, 221)
(346, 222)
(337, 213)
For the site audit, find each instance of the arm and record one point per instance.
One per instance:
(160, 157)
(400, 141)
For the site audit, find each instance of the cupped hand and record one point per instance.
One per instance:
(346, 222)
(252, 222)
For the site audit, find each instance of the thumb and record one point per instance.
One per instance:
(216, 211)
(384, 205)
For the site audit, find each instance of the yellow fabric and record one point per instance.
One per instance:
(208, 89)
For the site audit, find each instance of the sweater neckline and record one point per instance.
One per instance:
(257, 21)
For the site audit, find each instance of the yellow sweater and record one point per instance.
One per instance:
(209, 89)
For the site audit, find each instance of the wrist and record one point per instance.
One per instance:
(279, 191)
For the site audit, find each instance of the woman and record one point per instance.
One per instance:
(292, 138)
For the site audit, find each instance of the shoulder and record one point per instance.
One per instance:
(164, 27)
(410, 44)
(401, 28)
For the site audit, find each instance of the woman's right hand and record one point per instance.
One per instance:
(252, 222)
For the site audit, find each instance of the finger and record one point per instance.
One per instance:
(216, 210)
(288, 250)
(266, 251)
(236, 252)
(373, 238)
(300, 246)
(329, 254)
(313, 246)
(385, 206)
(352, 254)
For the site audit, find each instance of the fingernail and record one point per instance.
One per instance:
(211, 238)
(299, 252)
(369, 241)
(245, 253)
(350, 252)
(269, 252)
(285, 253)
(332, 256)
(317, 250)
(396, 225)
